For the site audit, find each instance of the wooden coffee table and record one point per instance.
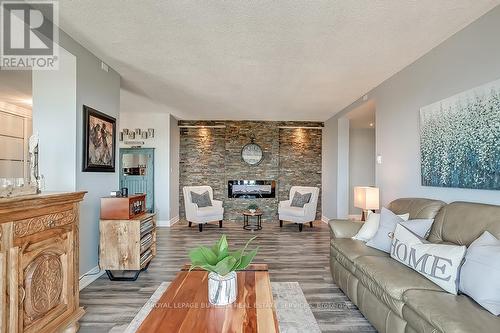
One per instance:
(184, 306)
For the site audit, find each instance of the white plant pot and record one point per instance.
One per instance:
(252, 211)
(222, 290)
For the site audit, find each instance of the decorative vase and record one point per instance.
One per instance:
(222, 290)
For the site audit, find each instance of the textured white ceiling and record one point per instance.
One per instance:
(269, 60)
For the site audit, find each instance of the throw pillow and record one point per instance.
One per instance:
(440, 263)
(420, 227)
(370, 227)
(480, 274)
(388, 222)
(202, 200)
(299, 200)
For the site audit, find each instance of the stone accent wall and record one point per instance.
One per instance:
(300, 160)
(212, 156)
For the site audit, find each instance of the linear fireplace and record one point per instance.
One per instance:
(251, 189)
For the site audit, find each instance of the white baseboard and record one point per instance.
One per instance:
(90, 277)
(168, 223)
(324, 219)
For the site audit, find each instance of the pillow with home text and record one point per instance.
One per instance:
(440, 263)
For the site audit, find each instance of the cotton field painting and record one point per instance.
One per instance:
(460, 140)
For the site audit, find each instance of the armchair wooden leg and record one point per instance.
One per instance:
(281, 223)
(190, 224)
(300, 226)
(220, 224)
(311, 224)
(200, 227)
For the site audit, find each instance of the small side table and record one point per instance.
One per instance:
(252, 226)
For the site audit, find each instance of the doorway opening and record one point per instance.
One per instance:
(356, 156)
(16, 126)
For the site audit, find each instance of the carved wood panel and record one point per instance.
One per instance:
(31, 226)
(43, 286)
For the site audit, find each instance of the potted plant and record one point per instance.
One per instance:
(222, 265)
(252, 208)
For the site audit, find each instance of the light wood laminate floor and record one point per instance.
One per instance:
(291, 256)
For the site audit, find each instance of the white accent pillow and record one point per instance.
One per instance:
(370, 227)
(440, 263)
(480, 273)
(388, 221)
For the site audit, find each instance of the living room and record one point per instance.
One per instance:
(284, 166)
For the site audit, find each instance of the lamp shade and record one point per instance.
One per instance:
(366, 197)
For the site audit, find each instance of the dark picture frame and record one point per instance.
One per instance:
(99, 141)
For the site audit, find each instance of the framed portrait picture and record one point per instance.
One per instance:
(99, 141)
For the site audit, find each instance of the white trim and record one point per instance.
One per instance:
(324, 219)
(90, 277)
(168, 223)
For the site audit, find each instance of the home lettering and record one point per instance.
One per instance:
(408, 255)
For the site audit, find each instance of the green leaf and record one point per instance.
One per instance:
(225, 266)
(246, 260)
(222, 244)
(215, 249)
(197, 257)
(206, 267)
(210, 257)
(223, 254)
(246, 245)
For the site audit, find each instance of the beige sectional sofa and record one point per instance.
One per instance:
(393, 297)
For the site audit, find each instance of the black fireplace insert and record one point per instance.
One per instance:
(251, 189)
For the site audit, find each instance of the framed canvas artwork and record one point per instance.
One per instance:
(460, 140)
(99, 141)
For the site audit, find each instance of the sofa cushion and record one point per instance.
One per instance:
(352, 249)
(419, 208)
(292, 211)
(463, 222)
(389, 280)
(448, 313)
(209, 211)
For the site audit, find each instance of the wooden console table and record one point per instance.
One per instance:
(127, 245)
(39, 287)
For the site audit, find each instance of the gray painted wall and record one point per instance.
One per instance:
(329, 166)
(174, 168)
(468, 59)
(101, 91)
(361, 162)
(54, 94)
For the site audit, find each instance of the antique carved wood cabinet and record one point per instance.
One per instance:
(39, 263)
